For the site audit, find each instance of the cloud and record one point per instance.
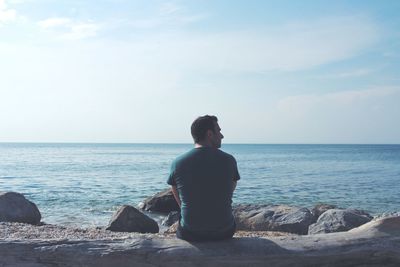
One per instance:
(304, 103)
(169, 8)
(54, 22)
(168, 14)
(291, 47)
(81, 31)
(350, 73)
(67, 28)
(6, 14)
(358, 116)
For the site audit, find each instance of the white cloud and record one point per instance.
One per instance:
(54, 22)
(285, 48)
(350, 73)
(169, 14)
(6, 14)
(67, 28)
(169, 8)
(81, 31)
(302, 104)
(359, 116)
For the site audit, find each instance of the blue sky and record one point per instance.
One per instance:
(141, 71)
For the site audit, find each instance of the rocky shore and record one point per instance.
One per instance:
(279, 235)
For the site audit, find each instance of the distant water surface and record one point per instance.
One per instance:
(83, 184)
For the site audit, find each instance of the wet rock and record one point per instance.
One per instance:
(321, 208)
(129, 219)
(14, 207)
(172, 217)
(273, 218)
(161, 202)
(338, 220)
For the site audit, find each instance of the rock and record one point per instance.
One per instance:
(338, 220)
(129, 219)
(321, 208)
(172, 229)
(161, 202)
(272, 218)
(376, 243)
(14, 207)
(172, 217)
(387, 214)
(385, 226)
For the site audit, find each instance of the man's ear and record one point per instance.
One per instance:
(209, 133)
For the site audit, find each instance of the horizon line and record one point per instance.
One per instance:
(182, 143)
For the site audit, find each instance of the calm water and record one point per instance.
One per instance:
(83, 184)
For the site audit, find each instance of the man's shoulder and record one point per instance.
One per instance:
(184, 156)
(226, 155)
(197, 154)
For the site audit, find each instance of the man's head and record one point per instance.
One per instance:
(206, 131)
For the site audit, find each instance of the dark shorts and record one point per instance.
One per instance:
(184, 234)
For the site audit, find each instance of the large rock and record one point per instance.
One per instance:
(338, 220)
(273, 218)
(321, 208)
(374, 244)
(172, 218)
(14, 207)
(129, 219)
(161, 202)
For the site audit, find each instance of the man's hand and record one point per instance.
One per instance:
(176, 195)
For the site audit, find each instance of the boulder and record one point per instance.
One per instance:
(14, 207)
(172, 217)
(129, 219)
(338, 220)
(280, 218)
(161, 202)
(321, 208)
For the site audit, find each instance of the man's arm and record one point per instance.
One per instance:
(234, 183)
(176, 195)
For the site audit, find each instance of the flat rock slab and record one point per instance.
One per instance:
(374, 244)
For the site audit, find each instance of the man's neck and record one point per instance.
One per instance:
(202, 144)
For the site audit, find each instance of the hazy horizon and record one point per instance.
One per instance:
(274, 72)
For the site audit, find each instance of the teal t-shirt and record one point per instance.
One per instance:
(204, 179)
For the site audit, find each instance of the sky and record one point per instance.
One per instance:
(130, 71)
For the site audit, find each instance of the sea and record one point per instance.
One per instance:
(82, 185)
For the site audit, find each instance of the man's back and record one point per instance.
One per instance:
(204, 178)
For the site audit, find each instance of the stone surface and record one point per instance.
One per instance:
(321, 208)
(338, 220)
(129, 219)
(373, 244)
(272, 218)
(161, 202)
(172, 218)
(14, 207)
(173, 228)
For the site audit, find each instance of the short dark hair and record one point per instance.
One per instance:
(201, 125)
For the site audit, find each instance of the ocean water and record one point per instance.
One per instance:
(83, 184)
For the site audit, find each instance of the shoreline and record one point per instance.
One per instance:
(159, 216)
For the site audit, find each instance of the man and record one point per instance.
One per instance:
(203, 181)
